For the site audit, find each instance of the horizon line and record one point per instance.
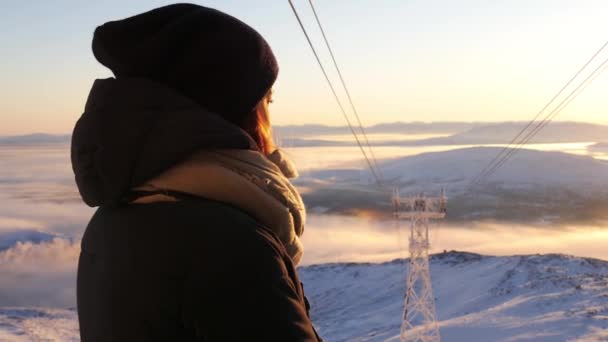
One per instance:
(41, 133)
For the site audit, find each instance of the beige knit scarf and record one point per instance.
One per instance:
(249, 180)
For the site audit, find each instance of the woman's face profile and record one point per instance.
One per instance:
(269, 97)
(265, 103)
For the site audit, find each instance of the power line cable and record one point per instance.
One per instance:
(350, 100)
(506, 149)
(540, 125)
(550, 116)
(314, 51)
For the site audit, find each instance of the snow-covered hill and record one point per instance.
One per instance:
(532, 186)
(526, 166)
(502, 133)
(479, 298)
(455, 168)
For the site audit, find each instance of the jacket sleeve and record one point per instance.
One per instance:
(251, 292)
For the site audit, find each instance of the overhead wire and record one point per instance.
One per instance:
(539, 126)
(596, 72)
(336, 97)
(350, 100)
(498, 159)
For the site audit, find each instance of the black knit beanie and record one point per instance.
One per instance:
(213, 58)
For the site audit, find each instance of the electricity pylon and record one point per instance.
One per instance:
(419, 316)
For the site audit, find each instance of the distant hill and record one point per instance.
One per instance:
(599, 147)
(395, 127)
(534, 186)
(556, 132)
(464, 134)
(460, 133)
(525, 167)
(35, 138)
(454, 169)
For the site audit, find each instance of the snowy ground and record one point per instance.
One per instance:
(478, 298)
(549, 297)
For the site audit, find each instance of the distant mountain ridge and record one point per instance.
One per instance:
(534, 186)
(394, 127)
(601, 146)
(556, 132)
(35, 138)
(498, 133)
(463, 133)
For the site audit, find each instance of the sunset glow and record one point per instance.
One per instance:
(404, 60)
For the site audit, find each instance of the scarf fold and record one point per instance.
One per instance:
(247, 179)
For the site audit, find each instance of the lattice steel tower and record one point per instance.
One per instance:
(419, 316)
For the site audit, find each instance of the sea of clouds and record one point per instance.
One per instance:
(42, 221)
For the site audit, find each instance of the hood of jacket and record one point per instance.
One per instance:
(133, 129)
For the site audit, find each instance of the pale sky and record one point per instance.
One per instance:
(405, 60)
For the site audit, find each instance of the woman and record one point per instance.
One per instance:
(198, 229)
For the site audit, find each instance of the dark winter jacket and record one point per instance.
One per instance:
(191, 270)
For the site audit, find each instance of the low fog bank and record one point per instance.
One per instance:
(42, 272)
(42, 218)
(39, 274)
(41, 222)
(536, 205)
(333, 238)
(38, 191)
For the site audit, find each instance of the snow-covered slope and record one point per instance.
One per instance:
(456, 167)
(478, 298)
(454, 170)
